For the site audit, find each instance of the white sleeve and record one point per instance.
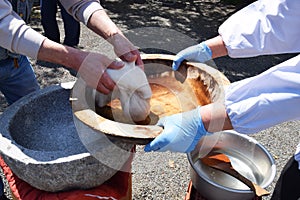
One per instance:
(81, 10)
(265, 100)
(15, 35)
(264, 27)
(297, 155)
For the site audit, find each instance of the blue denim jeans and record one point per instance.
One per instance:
(49, 23)
(17, 82)
(1, 188)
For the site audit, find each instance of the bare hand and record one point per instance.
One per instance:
(125, 49)
(92, 70)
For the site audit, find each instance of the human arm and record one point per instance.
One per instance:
(262, 28)
(91, 66)
(15, 35)
(262, 101)
(183, 131)
(205, 51)
(273, 97)
(95, 17)
(250, 105)
(18, 37)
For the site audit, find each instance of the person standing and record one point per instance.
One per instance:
(264, 27)
(49, 10)
(18, 40)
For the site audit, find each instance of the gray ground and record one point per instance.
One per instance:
(169, 26)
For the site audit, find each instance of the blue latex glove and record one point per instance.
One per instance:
(197, 53)
(181, 132)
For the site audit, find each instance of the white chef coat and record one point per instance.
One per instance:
(264, 27)
(17, 37)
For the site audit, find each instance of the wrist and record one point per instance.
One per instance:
(57, 53)
(200, 130)
(217, 47)
(115, 38)
(206, 50)
(101, 24)
(200, 122)
(215, 118)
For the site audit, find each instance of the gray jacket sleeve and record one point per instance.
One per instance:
(81, 10)
(15, 35)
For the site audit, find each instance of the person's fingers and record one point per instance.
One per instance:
(157, 144)
(107, 82)
(152, 146)
(115, 65)
(148, 148)
(139, 60)
(102, 89)
(176, 63)
(133, 56)
(161, 122)
(128, 57)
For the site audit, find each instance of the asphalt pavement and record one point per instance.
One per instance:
(168, 27)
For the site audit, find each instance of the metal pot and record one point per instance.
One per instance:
(248, 157)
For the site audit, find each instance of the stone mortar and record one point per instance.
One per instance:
(40, 143)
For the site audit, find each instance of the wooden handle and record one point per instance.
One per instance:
(221, 162)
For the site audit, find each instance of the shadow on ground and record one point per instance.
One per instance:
(153, 24)
(198, 20)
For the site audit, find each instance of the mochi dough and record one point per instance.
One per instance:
(133, 90)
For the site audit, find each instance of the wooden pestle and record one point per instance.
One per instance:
(221, 162)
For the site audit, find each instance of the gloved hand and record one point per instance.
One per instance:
(197, 53)
(181, 132)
